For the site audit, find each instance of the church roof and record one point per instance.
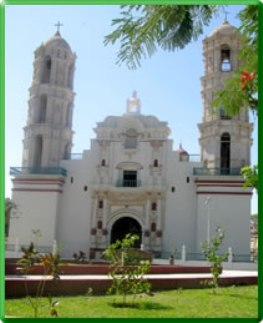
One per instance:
(147, 121)
(133, 119)
(58, 41)
(225, 29)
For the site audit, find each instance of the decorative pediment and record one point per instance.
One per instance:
(129, 166)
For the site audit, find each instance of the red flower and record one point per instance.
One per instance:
(243, 86)
(245, 73)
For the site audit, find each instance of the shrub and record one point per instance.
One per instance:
(211, 253)
(127, 270)
(50, 263)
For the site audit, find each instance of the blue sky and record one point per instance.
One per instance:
(168, 84)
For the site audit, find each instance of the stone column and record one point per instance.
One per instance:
(147, 218)
(105, 211)
(94, 221)
(159, 215)
(147, 222)
(159, 224)
(104, 220)
(94, 212)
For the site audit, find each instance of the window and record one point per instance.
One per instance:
(99, 225)
(71, 180)
(187, 179)
(153, 227)
(155, 163)
(129, 178)
(85, 188)
(100, 204)
(223, 114)
(154, 206)
(172, 189)
(103, 162)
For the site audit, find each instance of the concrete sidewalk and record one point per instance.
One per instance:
(79, 284)
(225, 274)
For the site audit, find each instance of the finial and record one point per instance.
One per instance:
(133, 104)
(58, 25)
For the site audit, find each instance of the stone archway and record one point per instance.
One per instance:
(126, 225)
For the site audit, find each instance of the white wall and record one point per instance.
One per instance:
(35, 211)
(232, 214)
(180, 217)
(74, 216)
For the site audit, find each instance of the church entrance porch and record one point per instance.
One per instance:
(124, 226)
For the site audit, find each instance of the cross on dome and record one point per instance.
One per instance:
(225, 13)
(58, 25)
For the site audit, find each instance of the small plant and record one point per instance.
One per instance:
(89, 292)
(211, 253)
(52, 307)
(29, 258)
(127, 271)
(49, 263)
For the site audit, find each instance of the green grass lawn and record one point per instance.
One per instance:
(199, 303)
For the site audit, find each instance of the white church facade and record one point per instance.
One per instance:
(130, 180)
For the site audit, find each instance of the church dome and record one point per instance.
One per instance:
(182, 151)
(57, 41)
(224, 29)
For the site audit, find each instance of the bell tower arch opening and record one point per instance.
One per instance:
(225, 62)
(37, 162)
(225, 153)
(43, 109)
(123, 226)
(46, 69)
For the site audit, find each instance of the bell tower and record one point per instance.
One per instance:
(225, 141)
(48, 132)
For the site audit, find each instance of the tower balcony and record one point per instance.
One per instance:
(204, 171)
(15, 171)
(128, 183)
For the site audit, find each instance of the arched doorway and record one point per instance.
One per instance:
(124, 226)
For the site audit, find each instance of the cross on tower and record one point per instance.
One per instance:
(58, 25)
(225, 13)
